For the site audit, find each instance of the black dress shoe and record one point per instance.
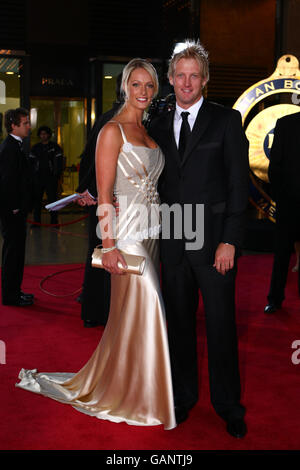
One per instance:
(271, 308)
(21, 302)
(237, 428)
(26, 296)
(181, 414)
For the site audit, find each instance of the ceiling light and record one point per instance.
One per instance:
(179, 46)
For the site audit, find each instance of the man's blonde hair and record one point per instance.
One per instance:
(192, 50)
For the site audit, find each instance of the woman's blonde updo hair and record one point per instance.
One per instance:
(138, 64)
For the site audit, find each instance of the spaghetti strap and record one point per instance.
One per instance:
(122, 131)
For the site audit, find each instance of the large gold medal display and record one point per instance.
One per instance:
(260, 110)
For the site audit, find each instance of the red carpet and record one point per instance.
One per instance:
(50, 337)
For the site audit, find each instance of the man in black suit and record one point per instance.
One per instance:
(15, 201)
(206, 155)
(95, 297)
(47, 162)
(284, 171)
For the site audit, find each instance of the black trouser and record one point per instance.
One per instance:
(13, 229)
(50, 186)
(180, 292)
(287, 232)
(96, 285)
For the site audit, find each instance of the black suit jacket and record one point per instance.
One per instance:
(213, 172)
(15, 177)
(284, 168)
(87, 171)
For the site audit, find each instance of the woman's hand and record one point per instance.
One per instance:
(110, 262)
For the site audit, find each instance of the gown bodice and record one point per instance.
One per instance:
(138, 170)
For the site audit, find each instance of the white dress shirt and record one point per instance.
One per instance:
(16, 137)
(193, 110)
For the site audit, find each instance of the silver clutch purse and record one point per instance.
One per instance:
(135, 263)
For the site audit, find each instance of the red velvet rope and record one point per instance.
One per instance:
(57, 225)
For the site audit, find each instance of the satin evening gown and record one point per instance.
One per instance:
(128, 377)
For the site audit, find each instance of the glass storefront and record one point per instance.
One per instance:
(11, 69)
(109, 83)
(103, 74)
(67, 119)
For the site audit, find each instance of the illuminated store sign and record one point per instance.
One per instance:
(60, 82)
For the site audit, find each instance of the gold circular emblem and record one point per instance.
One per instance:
(260, 133)
(260, 129)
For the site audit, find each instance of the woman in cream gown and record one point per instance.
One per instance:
(128, 377)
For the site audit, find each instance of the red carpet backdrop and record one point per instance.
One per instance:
(50, 336)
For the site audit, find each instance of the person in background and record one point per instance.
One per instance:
(95, 296)
(284, 171)
(15, 203)
(47, 161)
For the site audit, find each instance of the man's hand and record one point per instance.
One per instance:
(224, 258)
(116, 205)
(86, 199)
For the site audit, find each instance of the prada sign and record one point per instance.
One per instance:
(57, 79)
(59, 82)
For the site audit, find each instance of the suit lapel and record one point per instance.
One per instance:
(202, 122)
(173, 150)
(14, 142)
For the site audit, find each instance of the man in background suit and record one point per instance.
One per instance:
(15, 202)
(95, 297)
(47, 161)
(284, 171)
(206, 162)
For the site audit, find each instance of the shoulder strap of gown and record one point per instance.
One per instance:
(122, 131)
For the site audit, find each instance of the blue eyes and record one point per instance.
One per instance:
(181, 75)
